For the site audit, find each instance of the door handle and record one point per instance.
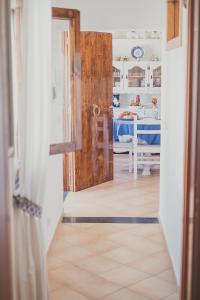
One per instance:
(96, 110)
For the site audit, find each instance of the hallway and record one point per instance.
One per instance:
(112, 261)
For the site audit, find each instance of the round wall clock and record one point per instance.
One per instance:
(137, 52)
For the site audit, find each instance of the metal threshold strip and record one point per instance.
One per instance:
(112, 220)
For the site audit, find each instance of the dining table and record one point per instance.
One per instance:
(126, 127)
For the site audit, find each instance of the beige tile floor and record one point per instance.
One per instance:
(112, 261)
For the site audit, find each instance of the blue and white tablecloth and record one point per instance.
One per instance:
(124, 128)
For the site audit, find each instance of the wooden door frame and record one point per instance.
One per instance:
(6, 137)
(73, 16)
(190, 280)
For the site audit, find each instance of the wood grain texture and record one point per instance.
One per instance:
(174, 24)
(170, 20)
(177, 9)
(65, 13)
(91, 163)
(62, 148)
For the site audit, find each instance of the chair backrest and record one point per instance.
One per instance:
(145, 121)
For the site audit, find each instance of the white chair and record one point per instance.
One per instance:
(120, 147)
(143, 149)
(125, 146)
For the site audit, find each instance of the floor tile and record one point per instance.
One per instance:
(101, 245)
(123, 255)
(146, 230)
(63, 230)
(136, 243)
(154, 263)
(81, 237)
(173, 297)
(95, 287)
(66, 294)
(58, 246)
(74, 253)
(97, 264)
(68, 274)
(158, 238)
(125, 294)
(167, 275)
(124, 276)
(53, 285)
(154, 288)
(102, 229)
(54, 262)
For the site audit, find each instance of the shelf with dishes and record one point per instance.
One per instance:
(134, 76)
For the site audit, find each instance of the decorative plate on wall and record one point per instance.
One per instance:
(137, 52)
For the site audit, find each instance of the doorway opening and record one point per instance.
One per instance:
(137, 77)
(110, 236)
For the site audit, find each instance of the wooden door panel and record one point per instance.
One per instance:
(94, 163)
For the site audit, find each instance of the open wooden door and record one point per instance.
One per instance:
(94, 163)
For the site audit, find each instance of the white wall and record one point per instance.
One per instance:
(54, 193)
(54, 196)
(173, 118)
(123, 47)
(111, 14)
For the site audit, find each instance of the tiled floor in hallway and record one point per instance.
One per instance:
(112, 261)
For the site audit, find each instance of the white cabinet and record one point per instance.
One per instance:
(118, 76)
(136, 77)
(155, 77)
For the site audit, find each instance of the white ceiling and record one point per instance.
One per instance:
(117, 14)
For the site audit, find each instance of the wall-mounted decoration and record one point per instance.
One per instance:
(137, 52)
